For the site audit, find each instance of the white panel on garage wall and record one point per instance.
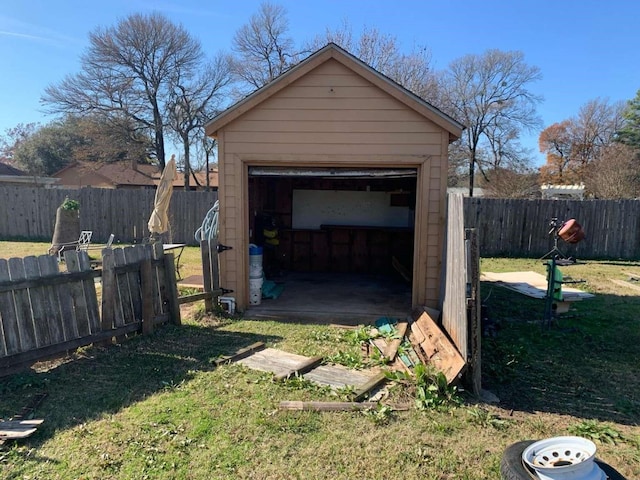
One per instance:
(312, 208)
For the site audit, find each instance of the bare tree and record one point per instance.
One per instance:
(512, 183)
(382, 52)
(594, 128)
(615, 173)
(129, 71)
(263, 48)
(194, 101)
(486, 92)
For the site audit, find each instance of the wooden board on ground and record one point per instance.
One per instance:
(623, 283)
(439, 350)
(17, 429)
(273, 360)
(282, 363)
(337, 376)
(531, 284)
(635, 276)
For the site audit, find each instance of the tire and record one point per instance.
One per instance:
(512, 468)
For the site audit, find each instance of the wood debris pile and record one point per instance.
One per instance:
(418, 339)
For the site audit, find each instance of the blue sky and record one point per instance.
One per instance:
(585, 49)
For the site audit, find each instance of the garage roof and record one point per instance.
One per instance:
(333, 51)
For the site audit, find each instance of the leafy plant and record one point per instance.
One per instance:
(433, 391)
(484, 418)
(380, 415)
(597, 432)
(360, 335)
(298, 382)
(348, 359)
(69, 204)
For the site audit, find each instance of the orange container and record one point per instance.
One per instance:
(571, 231)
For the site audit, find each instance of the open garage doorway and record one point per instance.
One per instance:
(337, 243)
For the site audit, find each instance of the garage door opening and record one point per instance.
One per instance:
(337, 243)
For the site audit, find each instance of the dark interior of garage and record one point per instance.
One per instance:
(336, 241)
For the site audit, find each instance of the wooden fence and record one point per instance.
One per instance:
(30, 213)
(461, 291)
(509, 227)
(45, 312)
(519, 228)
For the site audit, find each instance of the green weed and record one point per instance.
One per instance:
(596, 431)
(484, 418)
(433, 392)
(380, 415)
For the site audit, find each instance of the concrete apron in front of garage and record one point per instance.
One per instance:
(348, 299)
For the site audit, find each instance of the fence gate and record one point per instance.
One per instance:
(45, 312)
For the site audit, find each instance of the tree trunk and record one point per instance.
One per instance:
(67, 229)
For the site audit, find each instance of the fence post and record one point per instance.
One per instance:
(475, 319)
(109, 291)
(172, 289)
(210, 274)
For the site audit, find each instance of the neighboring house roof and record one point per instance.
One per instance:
(333, 51)
(123, 175)
(6, 169)
(14, 176)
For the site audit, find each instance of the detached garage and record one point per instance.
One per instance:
(339, 175)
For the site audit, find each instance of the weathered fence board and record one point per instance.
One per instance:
(29, 212)
(516, 227)
(38, 298)
(24, 319)
(48, 266)
(8, 314)
(454, 306)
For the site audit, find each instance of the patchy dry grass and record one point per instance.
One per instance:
(156, 407)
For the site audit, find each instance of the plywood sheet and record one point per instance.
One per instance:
(273, 360)
(336, 376)
(531, 284)
(282, 363)
(16, 429)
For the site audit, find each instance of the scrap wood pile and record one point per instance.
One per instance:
(405, 344)
(418, 339)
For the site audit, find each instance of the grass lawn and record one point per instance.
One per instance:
(157, 407)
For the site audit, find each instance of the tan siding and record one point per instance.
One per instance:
(383, 103)
(332, 149)
(329, 115)
(344, 138)
(317, 78)
(330, 68)
(330, 91)
(337, 126)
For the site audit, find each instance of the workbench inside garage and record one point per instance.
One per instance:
(343, 248)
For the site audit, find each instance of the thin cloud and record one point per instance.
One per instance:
(10, 27)
(23, 35)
